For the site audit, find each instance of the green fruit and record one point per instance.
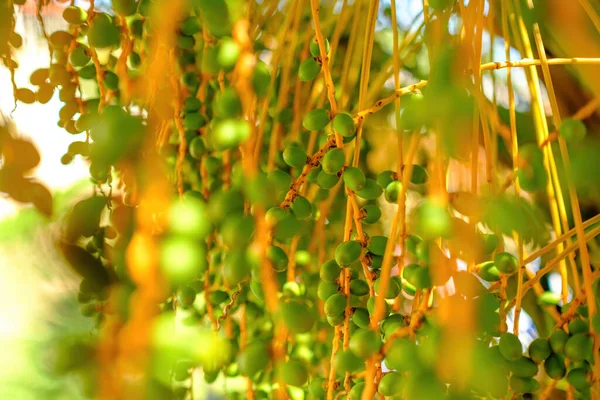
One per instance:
(330, 271)
(354, 179)
(488, 271)
(557, 340)
(432, 220)
(190, 26)
(227, 104)
(193, 121)
(490, 243)
(510, 347)
(348, 252)
(370, 191)
(333, 161)
(327, 181)
(103, 33)
(125, 7)
(579, 347)
(280, 179)
(182, 259)
(335, 305)
(74, 15)
(539, 350)
(261, 79)
(197, 148)
(417, 276)
(532, 174)
(327, 289)
(87, 72)
(229, 133)
(186, 296)
(316, 388)
(364, 343)
(506, 263)
(229, 52)
(391, 324)
(279, 260)
(253, 359)
(111, 81)
(359, 287)
(523, 368)
(578, 379)
(236, 267)
(297, 316)
(578, 326)
(316, 119)
(391, 384)
(377, 245)
(335, 320)
(419, 175)
(523, 385)
(572, 130)
(392, 290)
(343, 124)
(402, 355)
(555, 367)
(347, 361)
(79, 56)
(393, 192)
(185, 42)
(294, 156)
(309, 70)
(315, 51)
(372, 214)
(356, 391)
(215, 15)
(189, 218)
(301, 207)
(386, 177)
(371, 306)
(293, 372)
(361, 318)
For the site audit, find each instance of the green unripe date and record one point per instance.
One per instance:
(348, 252)
(335, 305)
(309, 70)
(539, 350)
(343, 124)
(555, 367)
(557, 341)
(297, 316)
(572, 130)
(391, 384)
(330, 271)
(333, 161)
(506, 263)
(316, 119)
(579, 347)
(278, 258)
(365, 343)
(523, 368)
(372, 214)
(354, 179)
(327, 181)
(370, 191)
(294, 156)
(293, 372)
(301, 207)
(510, 347)
(253, 358)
